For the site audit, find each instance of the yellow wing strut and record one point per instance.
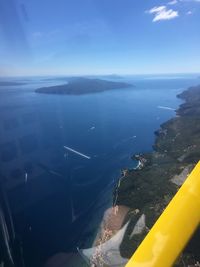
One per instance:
(170, 234)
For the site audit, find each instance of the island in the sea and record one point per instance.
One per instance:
(81, 86)
(5, 83)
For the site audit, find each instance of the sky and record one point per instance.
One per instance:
(84, 37)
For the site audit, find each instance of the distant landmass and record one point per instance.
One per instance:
(50, 79)
(3, 83)
(82, 86)
(71, 78)
(111, 76)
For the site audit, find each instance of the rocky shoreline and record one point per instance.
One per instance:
(142, 193)
(150, 188)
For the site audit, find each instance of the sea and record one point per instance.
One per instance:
(57, 197)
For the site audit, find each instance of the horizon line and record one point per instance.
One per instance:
(99, 74)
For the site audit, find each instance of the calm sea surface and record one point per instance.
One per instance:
(52, 191)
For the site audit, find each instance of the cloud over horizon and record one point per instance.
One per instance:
(162, 13)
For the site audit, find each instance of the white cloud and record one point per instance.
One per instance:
(173, 2)
(156, 9)
(162, 13)
(189, 12)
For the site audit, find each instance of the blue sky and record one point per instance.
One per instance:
(70, 37)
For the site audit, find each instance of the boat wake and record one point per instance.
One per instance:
(76, 152)
(167, 108)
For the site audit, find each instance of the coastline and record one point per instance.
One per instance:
(142, 193)
(175, 153)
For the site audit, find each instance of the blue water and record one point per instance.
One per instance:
(109, 127)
